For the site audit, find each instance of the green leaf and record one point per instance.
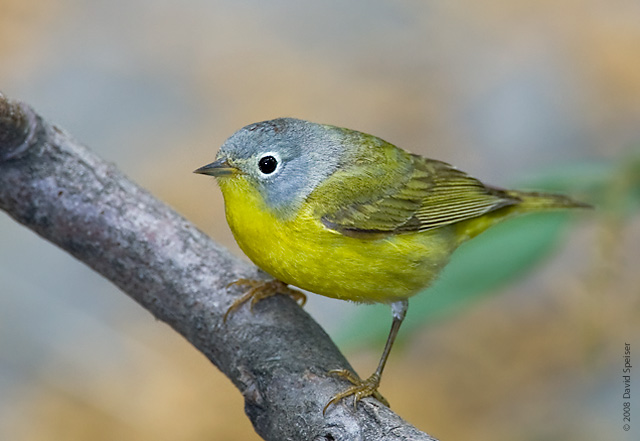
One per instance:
(507, 251)
(477, 268)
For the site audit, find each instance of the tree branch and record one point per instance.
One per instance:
(277, 356)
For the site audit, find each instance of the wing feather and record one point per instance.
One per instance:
(429, 194)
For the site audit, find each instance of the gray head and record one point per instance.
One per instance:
(284, 158)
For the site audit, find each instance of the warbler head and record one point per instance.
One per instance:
(284, 159)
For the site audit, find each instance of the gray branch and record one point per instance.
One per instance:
(277, 356)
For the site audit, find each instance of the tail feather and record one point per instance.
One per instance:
(522, 202)
(539, 201)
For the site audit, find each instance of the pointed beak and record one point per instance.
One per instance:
(218, 168)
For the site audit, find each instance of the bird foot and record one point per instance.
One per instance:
(359, 390)
(262, 289)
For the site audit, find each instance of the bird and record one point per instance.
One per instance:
(347, 215)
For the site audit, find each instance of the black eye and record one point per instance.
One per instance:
(267, 164)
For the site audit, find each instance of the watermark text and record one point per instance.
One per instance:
(626, 394)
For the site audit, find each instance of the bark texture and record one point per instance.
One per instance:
(277, 356)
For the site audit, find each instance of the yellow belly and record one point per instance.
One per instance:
(303, 253)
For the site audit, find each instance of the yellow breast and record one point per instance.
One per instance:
(304, 253)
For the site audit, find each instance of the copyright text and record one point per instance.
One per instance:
(626, 381)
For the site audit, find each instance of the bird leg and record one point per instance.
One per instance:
(261, 289)
(369, 387)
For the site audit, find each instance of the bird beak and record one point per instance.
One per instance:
(221, 167)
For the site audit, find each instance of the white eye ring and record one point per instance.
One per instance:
(269, 164)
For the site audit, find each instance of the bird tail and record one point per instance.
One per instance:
(519, 202)
(540, 201)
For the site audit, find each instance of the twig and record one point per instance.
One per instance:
(277, 356)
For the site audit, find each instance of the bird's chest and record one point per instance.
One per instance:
(282, 248)
(302, 252)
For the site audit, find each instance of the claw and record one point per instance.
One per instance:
(261, 289)
(359, 390)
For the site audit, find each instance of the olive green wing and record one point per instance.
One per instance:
(422, 195)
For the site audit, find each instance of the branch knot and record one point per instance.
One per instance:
(18, 127)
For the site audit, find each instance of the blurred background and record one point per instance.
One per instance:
(523, 336)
